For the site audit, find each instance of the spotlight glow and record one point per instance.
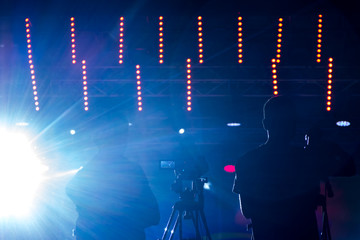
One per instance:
(20, 174)
(233, 124)
(31, 64)
(181, 131)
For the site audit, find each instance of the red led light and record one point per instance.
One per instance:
(329, 86)
(31, 65)
(121, 40)
(319, 40)
(200, 40)
(138, 87)
(229, 168)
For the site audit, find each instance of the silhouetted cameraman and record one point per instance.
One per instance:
(278, 183)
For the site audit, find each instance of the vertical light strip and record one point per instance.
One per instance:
(31, 64)
(279, 40)
(274, 77)
(161, 39)
(188, 84)
(240, 40)
(121, 41)
(85, 85)
(138, 87)
(72, 35)
(329, 85)
(319, 40)
(200, 40)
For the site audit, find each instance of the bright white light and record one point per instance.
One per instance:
(22, 124)
(207, 186)
(181, 131)
(20, 174)
(233, 124)
(343, 123)
(72, 132)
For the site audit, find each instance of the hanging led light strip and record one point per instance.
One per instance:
(138, 87)
(188, 84)
(200, 40)
(72, 35)
(274, 77)
(240, 50)
(329, 85)
(121, 41)
(85, 85)
(319, 40)
(31, 64)
(279, 40)
(161, 39)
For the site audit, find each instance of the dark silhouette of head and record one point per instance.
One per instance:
(279, 119)
(111, 129)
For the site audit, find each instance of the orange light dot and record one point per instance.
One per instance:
(318, 60)
(329, 98)
(199, 17)
(328, 109)
(276, 92)
(240, 61)
(329, 92)
(274, 76)
(239, 18)
(330, 59)
(201, 61)
(329, 87)
(329, 82)
(274, 82)
(73, 61)
(330, 65)
(189, 109)
(121, 18)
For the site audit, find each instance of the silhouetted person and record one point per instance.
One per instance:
(278, 185)
(112, 195)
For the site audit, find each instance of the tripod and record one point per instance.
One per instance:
(188, 208)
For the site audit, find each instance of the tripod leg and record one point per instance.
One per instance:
(178, 219)
(202, 215)
(195, 221)
(166, 230)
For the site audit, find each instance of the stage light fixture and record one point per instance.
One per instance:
(72, 35)
(72, 132)
(200, 40)
(181, 131)
(31, 65)
(188, 83)
(21, 174)
(329, 85)
(274, 76)
(233, 124)
(319, 36)
(240, 39)
(138, 84)
(85, 87)
(121, 41)
(343, 123)
(161, 40)
(279, 39)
